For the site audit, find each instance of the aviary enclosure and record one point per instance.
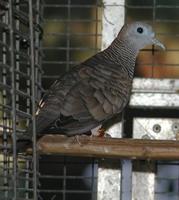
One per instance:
(42, 39)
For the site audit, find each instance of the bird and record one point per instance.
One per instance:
(94, 91)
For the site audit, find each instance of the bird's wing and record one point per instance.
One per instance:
(84, 96)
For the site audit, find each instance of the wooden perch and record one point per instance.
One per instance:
(109, 147)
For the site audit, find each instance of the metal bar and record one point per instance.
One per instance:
(13, 111)
(4, 25)
(4, 45)
(21, 34)
(69, 177)
(27, 184)
(153, 47)
(68, 37)
(5, 126)
(33, 100)
(37, 63)
(48, 34)
(126, 180)
(71, 48)
(72, 6)
(66, 191)
(21, 16)
(64, 179)
(72, 20)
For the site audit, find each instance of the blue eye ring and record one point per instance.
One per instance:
(140, 30)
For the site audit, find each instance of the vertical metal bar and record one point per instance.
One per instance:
(38, 73)
(68, 37)
(126, 180)
(64, 179)
(5, 120)
(27, 166)
(13, 93)
(39, 5)
(17, 57)
(96, 26)
(33, 102)
(153, 47)
(93, 180)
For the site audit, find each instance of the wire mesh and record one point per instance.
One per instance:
(72, 33)
(167, 180)
(19, 90)
(163, 15)
(68, 178)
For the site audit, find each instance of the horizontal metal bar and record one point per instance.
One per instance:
(71, 5)
(71, 48)
(4, 26)
(22, 35)
(5, 108)
(66, 191)
(167, 20)
(50, 76)
(19, 177)
(6, 66)
(4, 45)
(5, 86)
(6, 168)
(5, 146)
(46, 35)
(22, 54)
(66, 177)
(9, 128)
(23, 114)
(168, 6)
(168, 35)
(60, 62)
(127, 6)
(22, 16)
(157, 6)
(26, 158)
(22, 74)
(167, 178)
(21, 93)
(46, 20)
(168, 193)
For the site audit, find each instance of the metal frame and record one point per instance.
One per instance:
(18, 169)
(20, 89)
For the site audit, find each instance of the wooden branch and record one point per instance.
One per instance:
(109, 147)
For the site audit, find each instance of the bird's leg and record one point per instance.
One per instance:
(101, 132)
(98, 131)
(77, 140)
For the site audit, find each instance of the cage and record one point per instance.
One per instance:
(40, 40)
(20, 80)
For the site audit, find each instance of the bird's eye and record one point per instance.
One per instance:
(140, 30)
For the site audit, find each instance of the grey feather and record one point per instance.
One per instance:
(97, 89)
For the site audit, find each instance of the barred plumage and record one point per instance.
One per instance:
(97, 89)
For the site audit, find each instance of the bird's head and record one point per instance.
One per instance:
(139, 35)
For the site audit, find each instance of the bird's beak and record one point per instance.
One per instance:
(158, 43)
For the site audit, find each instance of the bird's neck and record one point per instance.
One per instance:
(123, 54)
